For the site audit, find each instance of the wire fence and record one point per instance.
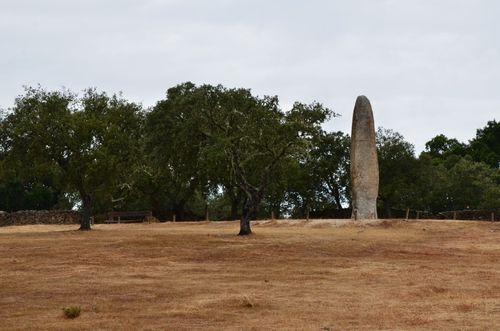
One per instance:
(465, 214)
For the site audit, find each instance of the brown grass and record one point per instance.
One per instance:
(287, 276)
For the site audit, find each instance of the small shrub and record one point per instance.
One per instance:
(71, 312)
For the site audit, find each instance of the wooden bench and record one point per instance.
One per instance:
(128, 216)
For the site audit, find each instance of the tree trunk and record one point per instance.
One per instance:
(249, 210)
(245, 225)
(336, 196)
(206, 211)
(275, 208)
(86, 212)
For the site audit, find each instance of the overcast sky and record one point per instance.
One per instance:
(428, 66)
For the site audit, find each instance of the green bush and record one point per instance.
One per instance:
(71, 312)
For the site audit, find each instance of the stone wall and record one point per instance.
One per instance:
(25, 217)
(4, 218)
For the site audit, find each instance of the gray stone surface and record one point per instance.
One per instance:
(364, 163)
(5, 219)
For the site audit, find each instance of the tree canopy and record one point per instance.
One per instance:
(86, 144)
(211, 137)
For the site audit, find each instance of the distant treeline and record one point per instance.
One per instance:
(222, 152)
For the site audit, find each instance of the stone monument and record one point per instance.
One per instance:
(364, 163)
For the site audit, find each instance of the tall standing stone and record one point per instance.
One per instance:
(364, 163)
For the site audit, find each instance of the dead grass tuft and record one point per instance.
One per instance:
(436, 289)
(247, 301)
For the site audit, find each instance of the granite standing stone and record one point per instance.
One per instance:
(364, 163)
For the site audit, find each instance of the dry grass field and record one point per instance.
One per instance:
(287, 276)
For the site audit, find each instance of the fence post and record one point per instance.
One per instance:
(272, 215)
(407, 213)
(307, 214)
(173, 218)
(418, 215)
(454, 215)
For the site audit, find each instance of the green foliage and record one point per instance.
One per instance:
(320, 181)
(442, 147)
(397, 167)
(72, 312)
(443, 178)
(29, 194)
(485, 147)
(430, 186)
(473, 185)
(456, 176)
(177, 148)
(87, 143)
